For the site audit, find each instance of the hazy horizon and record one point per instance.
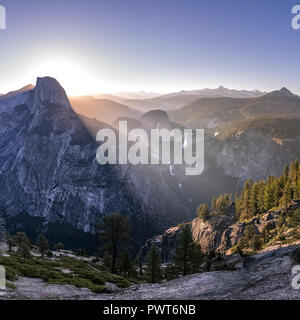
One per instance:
(152, 46)
(155, 94)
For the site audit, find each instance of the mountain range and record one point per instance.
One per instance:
(179, 99)
(51, 182)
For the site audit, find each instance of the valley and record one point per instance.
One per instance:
(51, 183)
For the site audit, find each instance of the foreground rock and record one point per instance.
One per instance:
(265, 276)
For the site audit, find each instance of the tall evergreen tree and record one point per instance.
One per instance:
(188, 254)
(23, 244)
(253, 203)
(287, 194)
(203, 212)
(126, 263)
(114, 231)
(43, 245)
(10, 242)
(153, 271)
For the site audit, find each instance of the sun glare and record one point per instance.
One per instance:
(72, 75)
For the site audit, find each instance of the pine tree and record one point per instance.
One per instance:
(10, 242)
(269, 194)
(107, 260)
(188, 254)
(125, 264)
(43, 245)
(23, 244)
(171, 272)
(153, 272)
(24, 250)
(286, 173)
(249, 235)
(114, 231)
(256, 242)
(298, 185)
(213, 204)
(287, 194)
(138, 263)
(203, 212)
(253, 202)
(245, 211)
(260, 197)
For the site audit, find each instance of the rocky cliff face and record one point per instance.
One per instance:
(165, 243)
(48, 164)
(219, 234)
(48, 169)
(254, 155)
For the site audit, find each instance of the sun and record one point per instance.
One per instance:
(72, 75)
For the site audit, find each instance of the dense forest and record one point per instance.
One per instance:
(259, 197)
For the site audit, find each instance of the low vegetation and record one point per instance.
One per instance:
(63, 270)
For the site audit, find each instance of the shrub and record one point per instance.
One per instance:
(203, 212)
(11, 286)
(172, 272)
(10, 274)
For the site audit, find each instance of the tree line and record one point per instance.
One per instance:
(258, 197)
(115, 251)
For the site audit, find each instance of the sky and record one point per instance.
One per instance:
(96, 46)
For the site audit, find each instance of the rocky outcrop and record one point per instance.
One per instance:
(48, 166)
(219, 234)
(165, 243)
(266, 276)
(209, 233)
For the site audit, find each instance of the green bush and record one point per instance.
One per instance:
(10, 274)
(172, 272)
(83, 274)
(11, 286)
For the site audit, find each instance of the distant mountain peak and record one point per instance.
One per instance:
(286, 91)
(49, 91)
(283, 92)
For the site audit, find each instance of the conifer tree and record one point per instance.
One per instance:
(287, 194)
(10, 242)
(126, 264)
(188, 254)
(203, 212)
(260, 197)
(213, 203)
(107, 260)
(253, 203)
(43, 245)
(23, 244)
(153, 271)
(114, 231)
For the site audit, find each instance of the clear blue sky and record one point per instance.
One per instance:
(158, 45)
